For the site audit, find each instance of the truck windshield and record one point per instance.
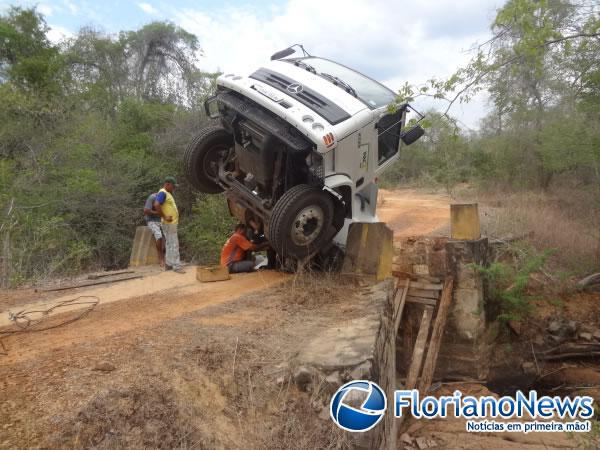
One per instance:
(370, 92)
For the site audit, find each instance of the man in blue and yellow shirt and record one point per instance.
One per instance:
(167, 209)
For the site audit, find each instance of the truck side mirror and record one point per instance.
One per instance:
(282, 53)
(211, 107)
(412, 135)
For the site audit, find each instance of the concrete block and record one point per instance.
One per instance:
(369, 250)
(467, 314)
(143, 251)
(464, 222)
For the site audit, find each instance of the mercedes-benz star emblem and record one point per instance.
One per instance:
(295, 88)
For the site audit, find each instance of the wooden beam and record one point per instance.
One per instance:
(90, 283)
(419, 350)
(401, 304)
(426, 286)
(95, 276)
(421, 301)
(415, 277)
(436, 336)
(423, 293)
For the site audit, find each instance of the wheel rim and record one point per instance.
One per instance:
(210, 165)
(307, 225)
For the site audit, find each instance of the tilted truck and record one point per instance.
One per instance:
(298, 148)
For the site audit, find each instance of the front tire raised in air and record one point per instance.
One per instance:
(202, 157)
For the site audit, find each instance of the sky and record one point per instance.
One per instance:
(391, 41)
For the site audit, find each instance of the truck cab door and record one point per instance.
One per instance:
(388, 139)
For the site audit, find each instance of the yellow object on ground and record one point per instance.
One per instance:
(212, 273)
(143, 252)
(369, 250)
(464, 222)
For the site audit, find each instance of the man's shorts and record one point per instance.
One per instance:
(156, 230)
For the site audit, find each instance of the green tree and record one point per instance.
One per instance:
(27, 58)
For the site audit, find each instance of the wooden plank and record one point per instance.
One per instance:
(436, 336)
(401, 304)
(423, 293)
(421, 301)
(419, 350)
(426, 286)
(91, 283)
(95, 276)
(413, 276)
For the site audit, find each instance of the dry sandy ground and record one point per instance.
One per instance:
(410, 212)
(167, 362)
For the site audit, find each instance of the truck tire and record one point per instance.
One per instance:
(202, 154)
(301, 221)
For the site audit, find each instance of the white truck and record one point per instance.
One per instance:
(298, 148)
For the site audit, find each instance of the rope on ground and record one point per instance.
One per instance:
(26, 321)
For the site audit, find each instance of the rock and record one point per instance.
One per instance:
(572, 327)
(539, 340)
(280, 381)
(332, 382)
(361, 372)
(104, 366)
(585, 335)
(591, 282)
(557, 339)
(596, 335)
(554, 327)
(303, 378)
(406, 438)
(423, 443)
(529, 368)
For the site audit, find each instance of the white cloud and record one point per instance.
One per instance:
(56, 34)
(148, 8)
(46, 10)
(389, 41)
(72, 7)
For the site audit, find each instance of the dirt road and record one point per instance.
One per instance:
(410, 212)
(407, 211)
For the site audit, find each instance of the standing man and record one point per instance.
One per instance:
(152, 218)
(167, 209)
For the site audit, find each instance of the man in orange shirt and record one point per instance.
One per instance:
(234, 255)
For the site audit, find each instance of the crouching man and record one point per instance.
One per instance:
(237, 252)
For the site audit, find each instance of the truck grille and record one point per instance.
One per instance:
(308, 97)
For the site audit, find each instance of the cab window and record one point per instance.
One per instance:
(388, 129)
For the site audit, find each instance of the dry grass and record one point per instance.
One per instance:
(565, 220)
(312, 289)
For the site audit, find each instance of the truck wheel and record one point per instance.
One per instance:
(201, 159)
(301, 221)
